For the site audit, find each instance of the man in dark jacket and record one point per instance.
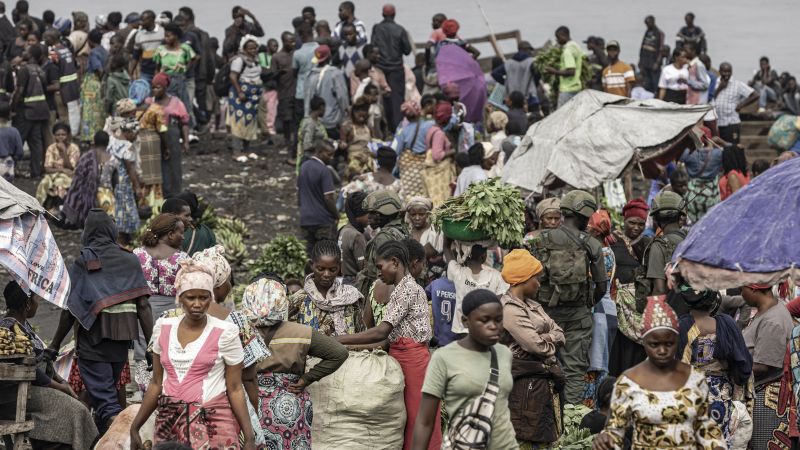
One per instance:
(7, 30)
(392, 41)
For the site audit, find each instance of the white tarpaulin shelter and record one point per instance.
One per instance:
(594, 136)
(28, 249)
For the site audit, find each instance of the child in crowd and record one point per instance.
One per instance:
(376, 119)
(372, 54)
(356, 135)
(10, 143)
(268, 103)
(351, 237)
(473, 172)
(311, 129)
(442, 295)
(595, 421)
(359, 79)
(467, 268)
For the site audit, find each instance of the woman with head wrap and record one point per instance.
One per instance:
(254, 348)
(440, 172)
(548, 216)
(630, 244)
(286, 411)
(450, 29)
(127, 184)
(604, 312)
(418, 215)
(244, 93)
(713, 344)
(663, 399)
(79, 39)
(534, 338)
(108, 298)
(197, 371)
(173, 125)
(493, 160)
(411, 148)
(496, 126)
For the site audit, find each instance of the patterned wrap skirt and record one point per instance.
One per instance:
(412, 167)
(243, 115)
(702, 195)
(771, 417)
(150, 157)
(285, 417)
(207, 426)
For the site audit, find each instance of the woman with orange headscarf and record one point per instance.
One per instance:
(604, 313)
(175, 125)
(533, 338)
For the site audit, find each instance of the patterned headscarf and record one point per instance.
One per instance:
(547, 205)
(658, 315)
(130, 124)
(193, 275)
(247, 38)
(161, 79)
(419, 200)
(601, 223)
(443, 112)
(125, 106)
(214, 258)
(636, 208)
(265, 303)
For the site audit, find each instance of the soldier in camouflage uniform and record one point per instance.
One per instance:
(384, 208)
(574, 280)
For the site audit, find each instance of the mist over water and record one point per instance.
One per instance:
(738, 31)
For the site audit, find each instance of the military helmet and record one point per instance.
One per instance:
(667, 202)
(579, 202)
(385, 202)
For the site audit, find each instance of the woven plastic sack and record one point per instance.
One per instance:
(360, 406)
(118, 436)
(783, 133)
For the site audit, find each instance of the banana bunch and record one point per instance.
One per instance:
(235, 250)
(14, 343)
(232, 224)
(209, 217)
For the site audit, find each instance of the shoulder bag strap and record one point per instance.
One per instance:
(416, 133)
(494, 371)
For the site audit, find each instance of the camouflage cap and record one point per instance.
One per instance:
(666, 201)
(579, 202)
(385, 202)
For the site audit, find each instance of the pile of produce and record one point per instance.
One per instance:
(284, 255)
(575, 437)
(230, 233)
(493, 209)
(14, 342)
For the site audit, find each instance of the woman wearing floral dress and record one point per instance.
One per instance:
(285, 404)
(60, 161)
(713, 344)
(664, 400)
(159, 257)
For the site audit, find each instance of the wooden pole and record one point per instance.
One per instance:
(492, 37)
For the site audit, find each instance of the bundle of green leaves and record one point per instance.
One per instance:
(284, 255)
(575, 437)
(491, 206)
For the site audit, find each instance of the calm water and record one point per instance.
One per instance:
(738, 31)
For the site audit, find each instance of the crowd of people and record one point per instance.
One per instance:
(583, 310)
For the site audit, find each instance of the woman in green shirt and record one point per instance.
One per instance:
(175, 58)
(458, 373)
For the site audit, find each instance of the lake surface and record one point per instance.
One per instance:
(738, 31)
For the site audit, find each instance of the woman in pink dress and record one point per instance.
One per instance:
(196, 390)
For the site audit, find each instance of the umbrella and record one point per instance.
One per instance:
(28, 249)
(593, 138)
(749, 238)
(455, 65)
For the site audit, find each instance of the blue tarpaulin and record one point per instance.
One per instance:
(751, 237)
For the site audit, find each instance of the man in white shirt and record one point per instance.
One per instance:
(730, 97)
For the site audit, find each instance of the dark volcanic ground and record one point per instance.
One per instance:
(261, 192)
